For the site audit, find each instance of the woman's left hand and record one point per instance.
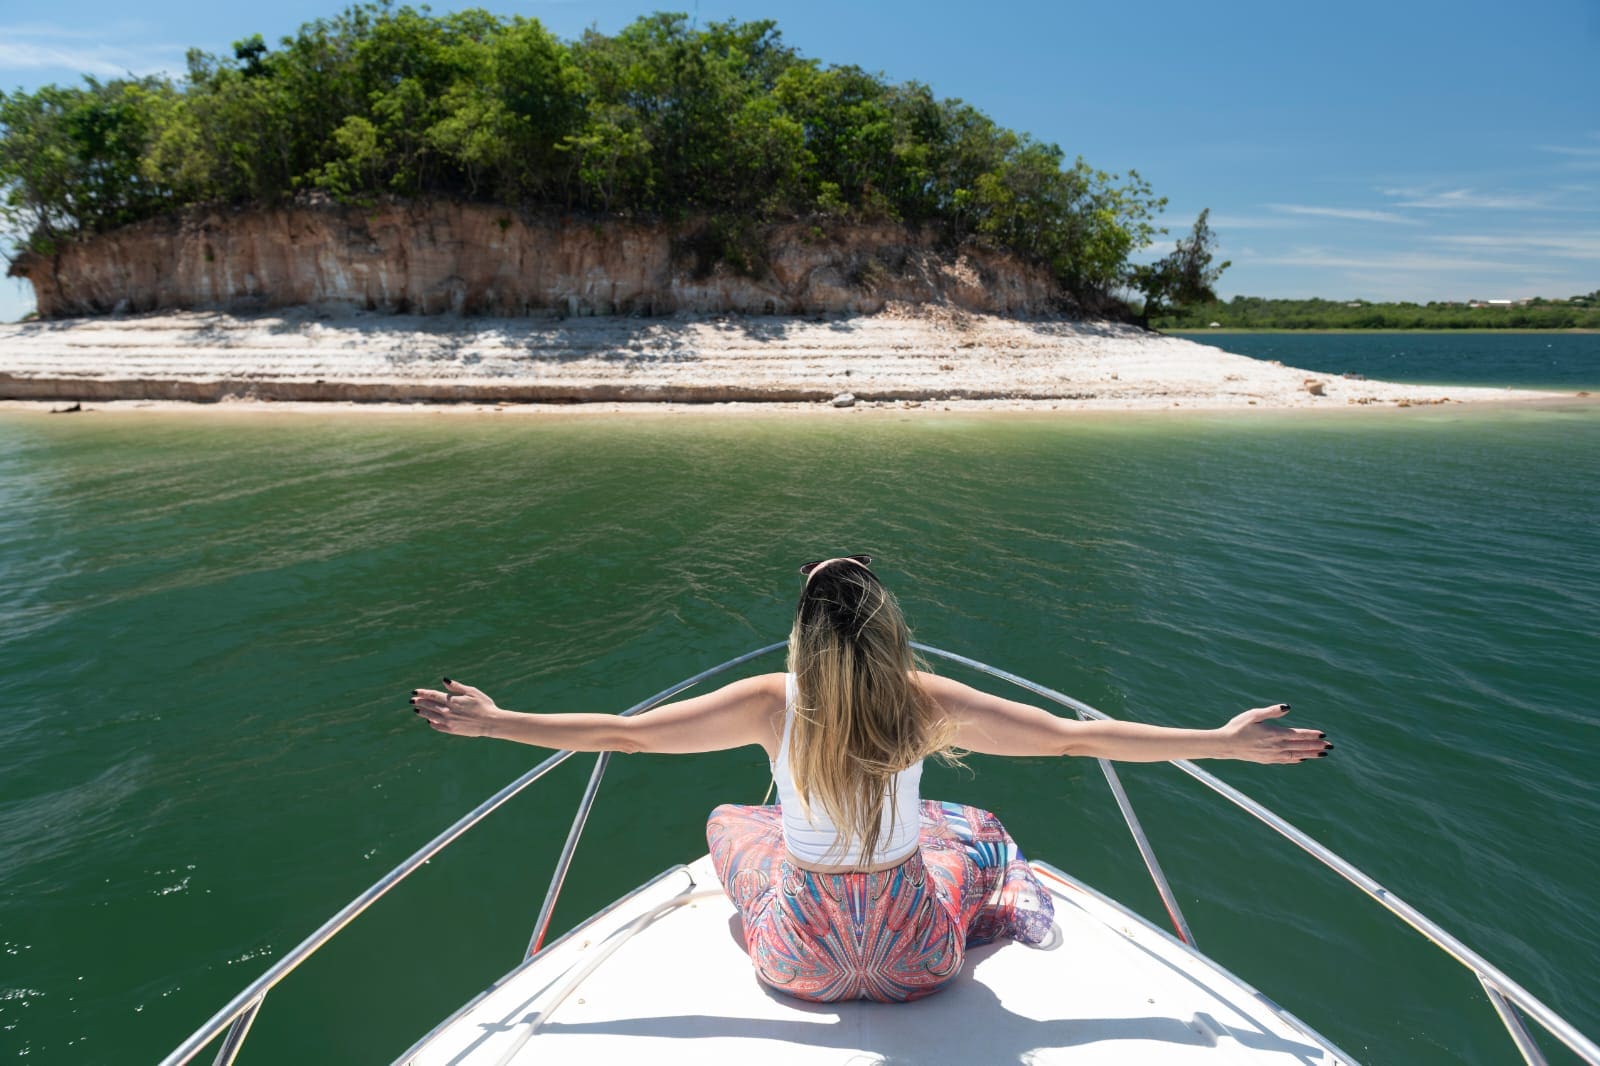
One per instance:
(460, 709)
(1254, 737)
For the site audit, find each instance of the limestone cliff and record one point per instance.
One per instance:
(480, 259)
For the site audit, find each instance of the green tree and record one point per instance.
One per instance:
(846, 132)
(71, 158)
(1183, 277)
(721, 129)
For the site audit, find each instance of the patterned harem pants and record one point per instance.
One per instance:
(895, 935)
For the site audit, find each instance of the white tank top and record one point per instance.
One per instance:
(817, 840)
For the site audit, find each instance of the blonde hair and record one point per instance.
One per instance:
(860, 715)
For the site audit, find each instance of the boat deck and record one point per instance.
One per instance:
(662, 977)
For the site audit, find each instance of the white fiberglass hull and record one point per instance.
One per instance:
(661, 977)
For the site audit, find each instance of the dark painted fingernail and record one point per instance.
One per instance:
(416, 710)
(1330, 747)
(1285, 706)
(1322, 755)
(447, 681)
(415, 691)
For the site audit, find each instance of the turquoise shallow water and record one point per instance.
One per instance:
(1544, 359)
(212, 623)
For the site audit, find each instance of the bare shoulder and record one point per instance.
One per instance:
(952, 695)
(932, 683)
(768, 688)
(762, 693)
(770, 692)
(961, 701)
(994, 725)
(739, 713)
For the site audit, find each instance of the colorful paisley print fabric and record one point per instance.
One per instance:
(891, 936)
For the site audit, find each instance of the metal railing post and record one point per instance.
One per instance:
(236, 1034)
(1514, 1024)
(547, 908)
(1151, 863)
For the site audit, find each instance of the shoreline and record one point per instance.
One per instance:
(914, 357)
(1532, 331)
(787, 410)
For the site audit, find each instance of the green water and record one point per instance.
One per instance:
(1532, 360)
(212, 623)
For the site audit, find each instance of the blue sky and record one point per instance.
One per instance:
(1405, 150)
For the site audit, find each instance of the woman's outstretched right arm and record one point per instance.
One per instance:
(735, 715)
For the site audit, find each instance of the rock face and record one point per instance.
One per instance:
(480, 259)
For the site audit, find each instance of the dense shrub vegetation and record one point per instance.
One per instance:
(1253, 312)
(721, 128)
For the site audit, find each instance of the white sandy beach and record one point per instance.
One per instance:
(900, 358)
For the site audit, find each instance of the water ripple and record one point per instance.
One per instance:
(212, 628)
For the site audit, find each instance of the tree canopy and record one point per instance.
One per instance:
(725, 124)
(1182, 278)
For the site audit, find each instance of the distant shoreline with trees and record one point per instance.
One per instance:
(1259, 315)
(1199, 332)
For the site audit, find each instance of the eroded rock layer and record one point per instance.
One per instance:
(481, 259)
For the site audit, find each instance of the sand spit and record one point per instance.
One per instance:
(899, 357)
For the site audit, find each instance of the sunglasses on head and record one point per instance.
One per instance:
(864, 560)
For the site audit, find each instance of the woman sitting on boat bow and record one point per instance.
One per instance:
(853, 886)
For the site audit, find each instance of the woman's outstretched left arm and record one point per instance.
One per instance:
(996, 726)
(733, 716)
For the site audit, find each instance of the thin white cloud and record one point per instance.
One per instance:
(98, 61)
(1348, 214)
(1400, 285)
(1464, 200)
(1224, 222)
(1391, 261)
(125, 29)
(1564, 245)
(37, 47)
(1583, 157)
(1590, 148)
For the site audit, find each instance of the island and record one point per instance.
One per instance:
(395, 205)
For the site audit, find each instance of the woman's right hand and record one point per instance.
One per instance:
(1254, 737)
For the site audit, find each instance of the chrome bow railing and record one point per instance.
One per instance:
(1509, 999)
